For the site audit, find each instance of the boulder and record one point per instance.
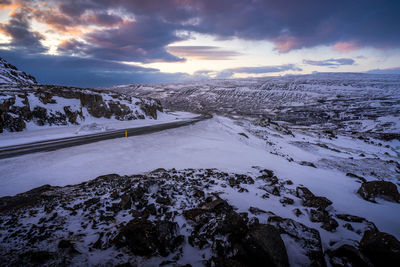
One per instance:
(263, 246)
(381, 248)
(310, 200)
(383, 189)
(307, 239)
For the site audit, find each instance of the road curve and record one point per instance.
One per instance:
(54, 144)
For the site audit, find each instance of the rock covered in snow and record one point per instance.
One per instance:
(172, 217)
(58, 105)
(383, 189)
(9, 74)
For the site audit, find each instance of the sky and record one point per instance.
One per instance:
(93, 43)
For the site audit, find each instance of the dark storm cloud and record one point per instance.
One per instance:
(203, 52)
(290, 24)
(330, 62)
(143, 40)
(18, 29)
(227, 73)
(84, 72)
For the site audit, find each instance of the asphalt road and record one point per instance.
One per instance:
(54, 144)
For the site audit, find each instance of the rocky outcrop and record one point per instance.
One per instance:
(383, 189)
(26, 199)
(55, 105)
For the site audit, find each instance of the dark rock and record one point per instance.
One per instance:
(305, 237)
(218, 206)
(36, 257)
(91, 201)
(125, 202)
(348, 226)
(99, 244)
(309, 164)
(381, 248)
(193, 214)
(350, 218)
(243, 134)
(151, 209)
(66, 244)
(352, 175)
(262, 246)
(310, 200)
(146, 238)
(297, 212)
(286, 200)
(199, 194)
(256, 211)
(383, 189)
(138, 193)
(275, 191)
(232, 225)
(163, 200)
(267, 173)
(328, 223)
(347, 255)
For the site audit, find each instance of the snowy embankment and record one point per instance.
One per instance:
(89, 126)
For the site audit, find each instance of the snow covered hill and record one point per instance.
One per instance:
(9, 74)
(352, 102)
(27, 105)
(294, 171)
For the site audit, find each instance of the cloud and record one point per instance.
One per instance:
(143, 41)
(289, 24)
(85, 72)
(346, 47)
(330, 62)
(228, 73)
(22, 37)
(203, 52)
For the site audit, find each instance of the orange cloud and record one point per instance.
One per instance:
(346, 47)
(285, 43)
(11, 6)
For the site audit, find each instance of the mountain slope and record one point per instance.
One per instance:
(9, 74)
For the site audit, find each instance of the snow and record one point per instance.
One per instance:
(214, 143)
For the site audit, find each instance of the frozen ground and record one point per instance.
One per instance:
(91, 125)
(319, 161)
(217, 144)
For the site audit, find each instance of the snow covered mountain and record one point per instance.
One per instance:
(24, 104)
(342, 101)
(9, 74)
